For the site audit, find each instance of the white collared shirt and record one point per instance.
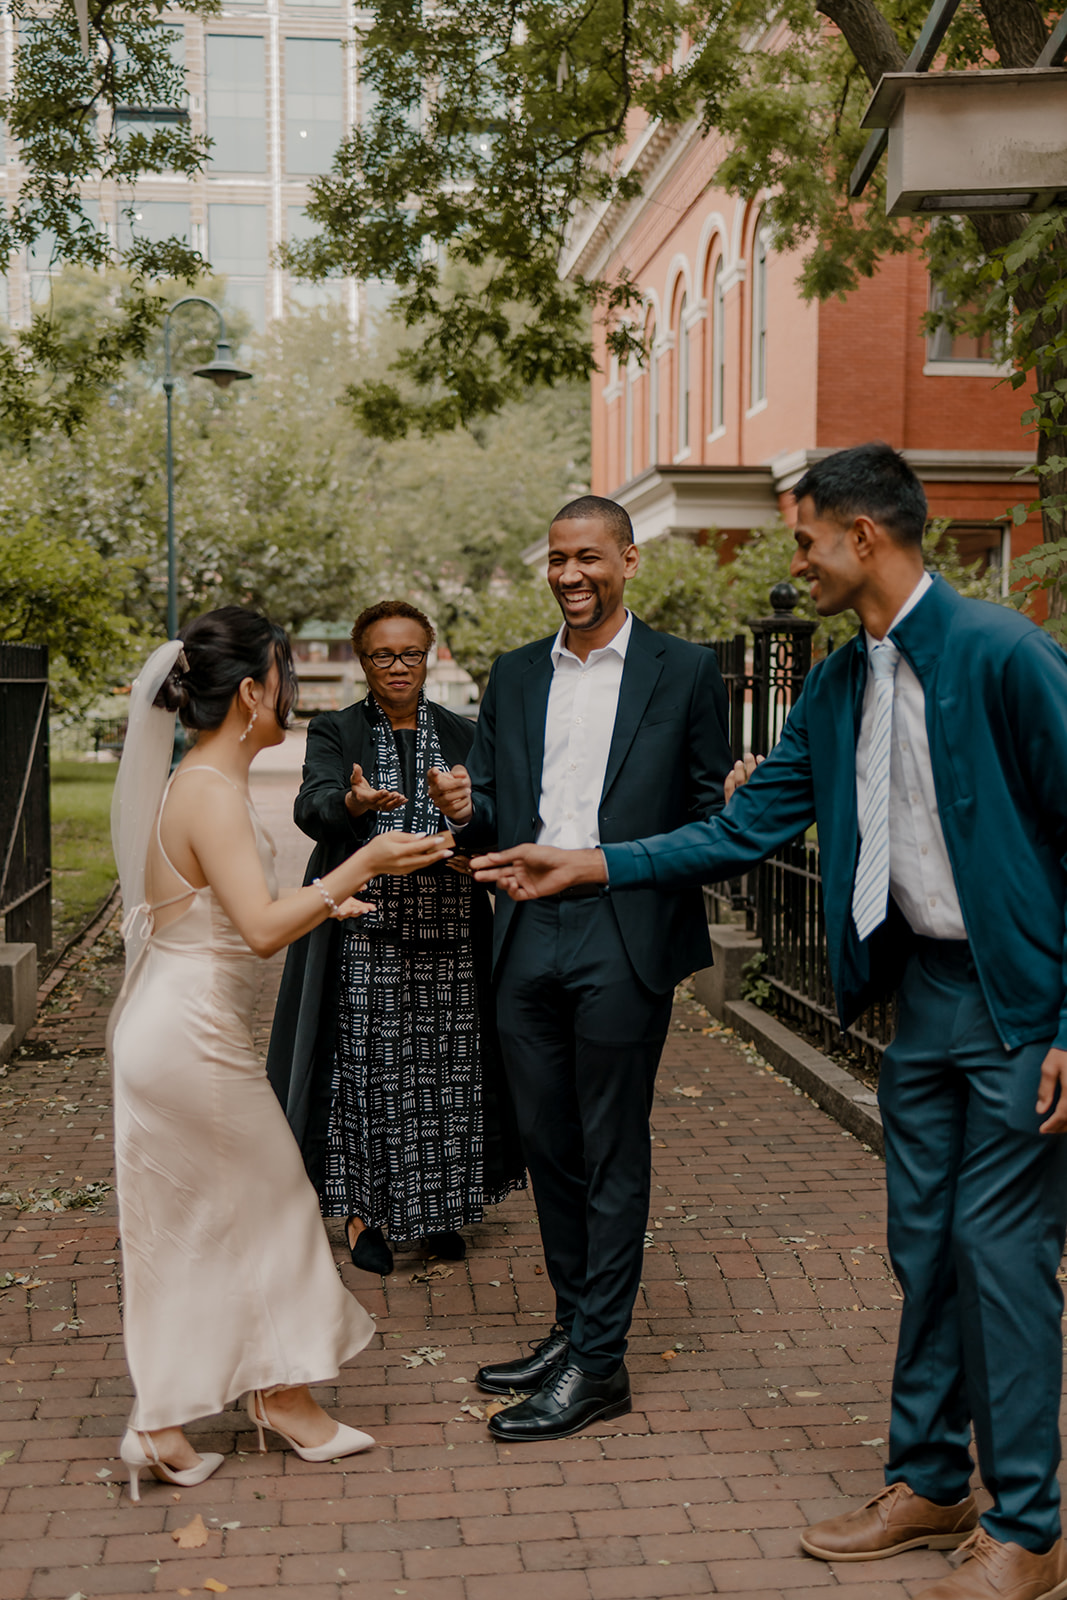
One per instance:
(920, 873)
(579, 723)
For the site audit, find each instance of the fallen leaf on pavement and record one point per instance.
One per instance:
(431, 1273)
(496, 1405)
(192, 1536)
(473, 1410)
(668, 1355)
(428, 1353)
(215, 1586)
(872, 1441)
(539, 1271)
(690, 1093)
(806, 1394)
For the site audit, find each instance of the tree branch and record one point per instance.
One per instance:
(868, 34)
(1018, 30)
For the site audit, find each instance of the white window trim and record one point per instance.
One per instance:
(716, 434)
(754, 411)
(967, 369)
(683, 455)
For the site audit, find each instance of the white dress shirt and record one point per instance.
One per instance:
(920, 873)
(579, 723)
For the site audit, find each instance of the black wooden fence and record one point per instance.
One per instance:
(782, 900)
(25, 824)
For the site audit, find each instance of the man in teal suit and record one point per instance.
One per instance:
(932, 753)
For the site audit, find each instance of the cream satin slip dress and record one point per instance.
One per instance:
(229, 1282)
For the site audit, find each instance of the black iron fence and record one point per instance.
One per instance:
(782, 900)
(25, 824)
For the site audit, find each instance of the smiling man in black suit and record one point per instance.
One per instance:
(606, 732)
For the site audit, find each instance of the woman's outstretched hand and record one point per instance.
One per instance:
(399, 853)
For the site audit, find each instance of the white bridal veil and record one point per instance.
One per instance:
(142, 777)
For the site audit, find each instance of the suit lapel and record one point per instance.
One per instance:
(644, 663)
(536, 683)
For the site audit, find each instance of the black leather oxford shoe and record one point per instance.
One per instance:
(529, 1372)
(568, 1402)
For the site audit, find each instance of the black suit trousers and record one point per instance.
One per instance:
(581, 1038)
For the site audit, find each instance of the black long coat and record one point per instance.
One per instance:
(302, 1039)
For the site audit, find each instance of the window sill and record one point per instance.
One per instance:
(967, 369)
(754, 410)
(716, 434)
(682, 455)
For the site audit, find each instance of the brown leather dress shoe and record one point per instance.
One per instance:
(994, 1571)
(893, 1520)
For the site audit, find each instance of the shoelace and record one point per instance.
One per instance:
(979, 1546)
(537, 1345)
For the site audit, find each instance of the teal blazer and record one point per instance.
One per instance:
(996, 716)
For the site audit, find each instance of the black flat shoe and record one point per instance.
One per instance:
(370, 1252)
(571, 1401)
(529, 1372)
(449, 1246)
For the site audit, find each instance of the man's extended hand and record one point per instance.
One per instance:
(451, 793)
(740, 773)
(361, 797)
(530, 871)
(1053, 1077)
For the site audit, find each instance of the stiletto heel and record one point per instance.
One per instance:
(252, 1404)
(138, 1451)
(345, 1442)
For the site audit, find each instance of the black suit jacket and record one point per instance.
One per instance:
(669, 756)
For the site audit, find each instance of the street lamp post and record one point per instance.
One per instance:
(222, 371)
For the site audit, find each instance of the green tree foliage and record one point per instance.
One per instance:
(61, 592)
(279, 503)
(64, 112)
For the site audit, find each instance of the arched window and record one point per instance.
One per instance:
(683, 378)
(653, 399)
(760, 248)
(718, 351)
(628, 425)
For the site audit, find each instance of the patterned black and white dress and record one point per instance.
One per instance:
(405, 1142)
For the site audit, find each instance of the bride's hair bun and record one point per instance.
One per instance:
(173, 693)
(221, 649)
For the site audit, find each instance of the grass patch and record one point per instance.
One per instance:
(83, 868)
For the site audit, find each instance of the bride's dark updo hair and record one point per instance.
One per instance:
(221, 649)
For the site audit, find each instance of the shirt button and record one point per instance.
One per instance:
(903, 744)
(932, 900)
(578, 720)
(924, 851)
(574, 766)
(914, 798)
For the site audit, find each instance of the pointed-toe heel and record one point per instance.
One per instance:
(345, 1442)
(370, 1253)
(138, 1452)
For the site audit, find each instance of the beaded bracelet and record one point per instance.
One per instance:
(334, 908)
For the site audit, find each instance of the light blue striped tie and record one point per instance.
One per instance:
(870, 894)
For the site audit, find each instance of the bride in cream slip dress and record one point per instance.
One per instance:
(229, 1282)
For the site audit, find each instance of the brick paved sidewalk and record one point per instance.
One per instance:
(760, 1358)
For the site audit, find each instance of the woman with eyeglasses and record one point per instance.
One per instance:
(383, 1051)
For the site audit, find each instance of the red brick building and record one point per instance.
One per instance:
(745, 383)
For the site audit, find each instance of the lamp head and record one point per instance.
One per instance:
(222, 370)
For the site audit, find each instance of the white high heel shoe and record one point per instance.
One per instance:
(138, 1451)
(345, 1442)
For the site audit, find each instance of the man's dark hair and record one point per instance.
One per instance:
(592, 508)
(869, 480)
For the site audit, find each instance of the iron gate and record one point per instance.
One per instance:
(25, 821)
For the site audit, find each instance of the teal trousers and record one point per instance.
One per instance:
(977, 1202)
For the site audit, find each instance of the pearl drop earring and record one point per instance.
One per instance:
(251, 725)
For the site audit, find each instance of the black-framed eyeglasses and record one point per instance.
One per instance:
(385, 658)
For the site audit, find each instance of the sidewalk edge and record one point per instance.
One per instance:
(830, 1086)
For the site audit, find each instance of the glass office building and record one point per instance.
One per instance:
(274, 84)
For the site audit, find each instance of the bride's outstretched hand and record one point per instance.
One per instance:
(400, 853)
